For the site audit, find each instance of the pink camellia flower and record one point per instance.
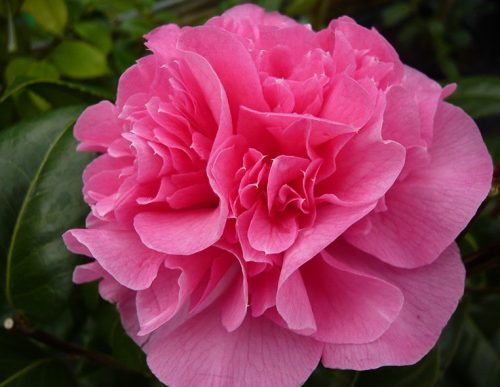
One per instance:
(268, 197)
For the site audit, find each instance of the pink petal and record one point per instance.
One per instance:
(348, 103)
(433, 204)
(168, 231)
(401, 118)
(160, 302)
(431, 295)
(120, 253)
(331, 222)
(97, 127)
(284, 169)
(348, 306)
(272, 234)
(259, 353)
(229, 58)
(249, 253)
(365, 170)
(162, 41)
(136, 79)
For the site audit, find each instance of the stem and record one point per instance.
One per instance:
(17, 324)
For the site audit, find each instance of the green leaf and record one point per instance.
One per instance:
(79, 60)
(23, 364)
(41, 201)
(96, 33)
(52, 15)
(479, 96)
(29, 68)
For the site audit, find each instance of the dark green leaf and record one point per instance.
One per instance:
(478, 96)
(79, 60)
(52, 15)
(41, 201)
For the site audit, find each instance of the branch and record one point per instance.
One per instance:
(18, 325)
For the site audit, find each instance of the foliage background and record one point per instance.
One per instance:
(57, 56)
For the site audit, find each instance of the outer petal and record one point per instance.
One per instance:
(349, 307)
(258, 354)
(97, 127)
(120, 253)
(427, 210)
(431, 295)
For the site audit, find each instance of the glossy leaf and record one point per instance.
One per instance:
(79, 60)
(41, 201)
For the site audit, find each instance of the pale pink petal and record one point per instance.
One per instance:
(167, 231)
(432, 205)
(431, 295)
(120, 253)
(258, 354)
